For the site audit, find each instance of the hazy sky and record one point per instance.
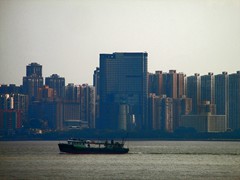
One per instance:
(67, 36)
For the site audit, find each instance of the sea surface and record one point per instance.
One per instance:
(145, 160)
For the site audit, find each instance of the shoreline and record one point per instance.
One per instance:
(130, 139)
(143, 135)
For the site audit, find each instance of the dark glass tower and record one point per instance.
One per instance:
(123, 82)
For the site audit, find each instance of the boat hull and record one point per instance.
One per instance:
(67, 148)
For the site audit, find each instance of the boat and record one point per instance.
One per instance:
(79, 146)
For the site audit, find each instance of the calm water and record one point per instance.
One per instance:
(145, 160)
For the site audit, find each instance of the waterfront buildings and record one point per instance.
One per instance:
(123, 81)
(204, 123)
(44, 115)
(160, 113)
(79, 106)
(10, 120)
(124, 96)
(71, 114)
(206, 120)
(87, 102)
(13, 111)
(165, 113)
(234, 101)
(170, 88)
(181, 106)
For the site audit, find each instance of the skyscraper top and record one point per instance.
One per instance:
(172, 71)
(55, 76)
(34, 64)
(34, 69)
(125, 54)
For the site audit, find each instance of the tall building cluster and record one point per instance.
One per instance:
(124, 96)
(50, 106)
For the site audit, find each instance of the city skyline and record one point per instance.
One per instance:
(66, 37)
(123, 98)
(92, 83)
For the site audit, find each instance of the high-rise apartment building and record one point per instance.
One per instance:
(33, 80)
(206, 120)
(193, 91)
(79, 105)
(72, 93)
(167, 114)
(96, 81)
(181, 85)
(96, 84)
(170, 84)
(160, 113)
(208, 88)
(222, 94)
(46, 114)
(154, 112)
(10, 120)
(14, 106)
(155, 83)
(87, 105)
(46, 93)
(181, 106)
(234, 101)
(123, 81)
(10, 89)
(57, 83)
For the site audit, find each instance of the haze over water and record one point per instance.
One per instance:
(145, 160)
